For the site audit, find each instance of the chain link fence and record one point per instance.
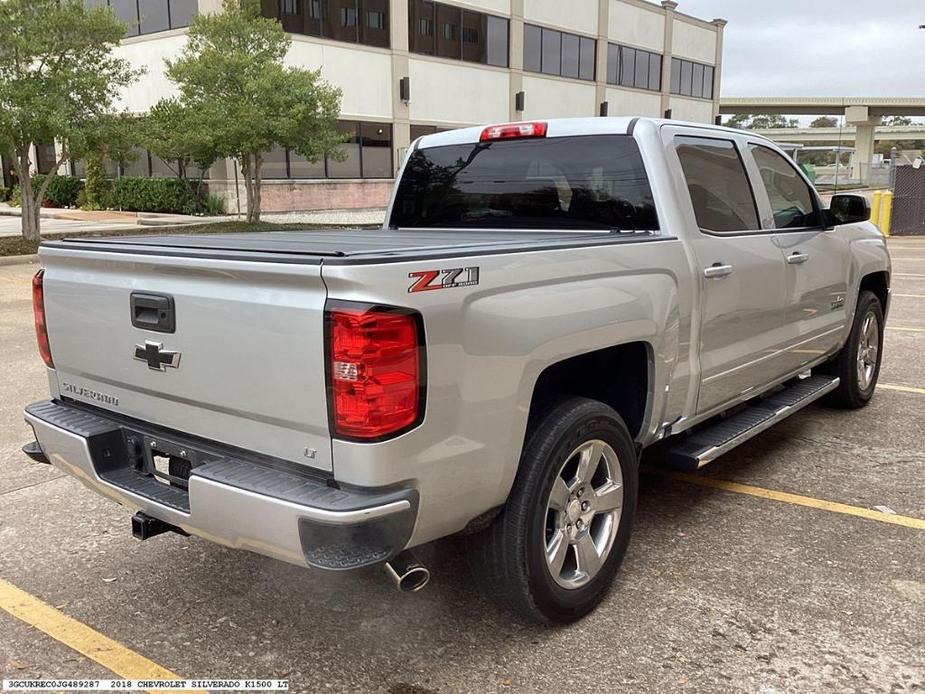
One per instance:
(908, 200)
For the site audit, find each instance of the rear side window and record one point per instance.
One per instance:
(718, 184)
(791, 199)
(587, 182)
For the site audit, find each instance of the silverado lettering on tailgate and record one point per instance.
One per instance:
(89, 393)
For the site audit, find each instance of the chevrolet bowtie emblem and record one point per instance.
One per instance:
(157, 358)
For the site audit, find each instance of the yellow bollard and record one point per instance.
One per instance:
(886, 212)
(875, 207)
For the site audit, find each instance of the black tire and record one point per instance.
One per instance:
(851, 393)
(508, 559)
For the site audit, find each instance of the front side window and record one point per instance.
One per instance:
(718, 185)
(790, 196)
(588, 183)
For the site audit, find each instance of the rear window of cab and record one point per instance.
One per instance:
(590, 182)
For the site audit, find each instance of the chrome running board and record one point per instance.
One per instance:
(706, 445)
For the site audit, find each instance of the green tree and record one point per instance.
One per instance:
(824, 122)
(761, 121)
(175, 133)
(897, 120)
(58, 78)
(233, 85)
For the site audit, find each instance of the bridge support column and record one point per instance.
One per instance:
(866, 125)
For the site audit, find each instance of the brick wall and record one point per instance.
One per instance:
(305, 196)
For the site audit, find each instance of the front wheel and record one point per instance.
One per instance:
(552, 553)
(858, 363)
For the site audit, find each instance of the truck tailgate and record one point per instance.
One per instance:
(250, 370)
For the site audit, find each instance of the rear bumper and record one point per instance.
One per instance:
(235, 499)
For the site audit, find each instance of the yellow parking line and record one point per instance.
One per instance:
(112, 655)
(905, 330)
(796, 499)
(902, 389)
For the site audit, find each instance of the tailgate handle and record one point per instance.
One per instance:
(153, 312)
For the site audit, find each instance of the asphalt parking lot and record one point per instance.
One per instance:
(728, 587)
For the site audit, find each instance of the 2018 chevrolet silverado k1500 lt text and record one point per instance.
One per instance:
(544, 301)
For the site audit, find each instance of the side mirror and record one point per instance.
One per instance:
(849, 209)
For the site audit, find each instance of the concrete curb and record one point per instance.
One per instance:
(19, 259)
(44, 213)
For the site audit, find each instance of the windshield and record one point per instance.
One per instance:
(587, 182)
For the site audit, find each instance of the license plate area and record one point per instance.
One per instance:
(164, 461)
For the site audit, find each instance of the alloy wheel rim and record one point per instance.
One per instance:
(868, 351)
(583, 514)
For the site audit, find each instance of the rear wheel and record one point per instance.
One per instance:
(552, 553)
(858, 363)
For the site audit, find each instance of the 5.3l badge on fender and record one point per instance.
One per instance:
(429, 280)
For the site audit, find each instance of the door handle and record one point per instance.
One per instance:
(717, 270)
(797, 258)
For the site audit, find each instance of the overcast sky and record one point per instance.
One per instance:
(813, 48)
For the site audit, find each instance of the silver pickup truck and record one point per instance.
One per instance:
(544, 301)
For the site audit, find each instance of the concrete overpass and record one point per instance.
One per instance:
(864, 113)
(877, 107)
(843, 135)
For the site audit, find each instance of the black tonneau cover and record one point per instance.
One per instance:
(347, 245)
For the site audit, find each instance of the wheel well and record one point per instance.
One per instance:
(879, 284)
(617, 376)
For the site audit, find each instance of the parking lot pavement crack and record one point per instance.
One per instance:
(34, 484)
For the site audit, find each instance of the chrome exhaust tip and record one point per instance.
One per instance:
(407, 573)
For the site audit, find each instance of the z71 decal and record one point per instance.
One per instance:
(429, 280)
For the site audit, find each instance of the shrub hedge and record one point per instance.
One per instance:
(4, 194)
(62, 191)
(153, 195)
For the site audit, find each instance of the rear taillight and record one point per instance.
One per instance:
(375, 370)
(38, 311)
(513, 131)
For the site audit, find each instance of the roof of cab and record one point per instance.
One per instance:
(568, 127)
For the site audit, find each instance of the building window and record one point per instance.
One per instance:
(367, 154)
(692, 79)
(632, 67)
(375, 19)
(182, 12)
(461, 34)
(45, 157)
(376, 150)
(422, 130)
(150, 16)
(559, 53)
(142, 163)
(448, 20)
(351, 21)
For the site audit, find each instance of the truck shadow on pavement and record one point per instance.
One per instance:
(302, 619)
